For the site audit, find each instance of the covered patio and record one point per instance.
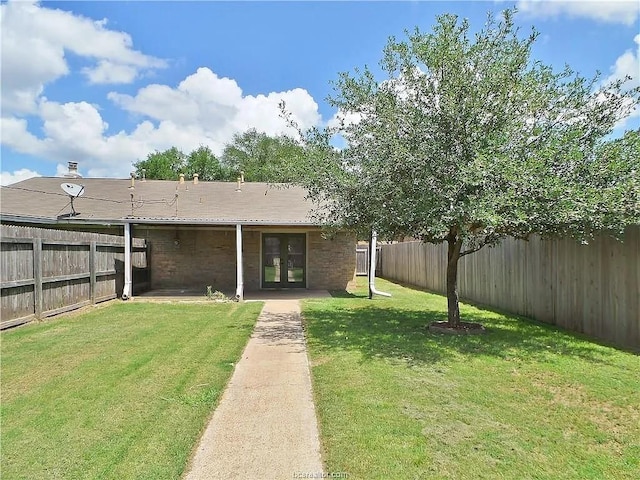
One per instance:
(236, 238)
(179, 295)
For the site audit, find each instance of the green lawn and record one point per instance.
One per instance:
(121, 392)
(524, 401)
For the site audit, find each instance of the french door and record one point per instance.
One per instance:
(283, 260)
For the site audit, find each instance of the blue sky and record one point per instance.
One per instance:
(106, 83)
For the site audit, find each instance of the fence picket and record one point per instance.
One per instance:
(592, 288)
(46, 271)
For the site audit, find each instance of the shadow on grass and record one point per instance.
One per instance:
(346, 294)
(381, 330)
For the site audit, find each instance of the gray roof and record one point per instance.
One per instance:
(108, 200)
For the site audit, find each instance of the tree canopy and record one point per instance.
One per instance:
(262, 158)
(165, 165)
(203, 162)
(471, 140)
(169, 164)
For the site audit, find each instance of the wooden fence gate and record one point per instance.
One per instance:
(362, 260)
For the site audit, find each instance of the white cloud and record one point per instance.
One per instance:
(218, 107)
(14, 134)
(35, 41)
(263, 113)
(203, 109)
(62, 170)
(76, 131)
(109, 72)
(72, 122)
(7, 178)
(609, 11)
(627, 64)
(343, 119)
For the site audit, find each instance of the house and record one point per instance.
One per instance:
(231, 236)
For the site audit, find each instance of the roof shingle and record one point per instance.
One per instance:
(158, 201)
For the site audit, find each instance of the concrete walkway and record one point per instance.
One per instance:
(265, 425)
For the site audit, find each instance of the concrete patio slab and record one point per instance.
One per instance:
(291, 294)
(265, 425)
(178, 295)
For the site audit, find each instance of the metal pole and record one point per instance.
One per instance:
(239, 273)
(373, 244)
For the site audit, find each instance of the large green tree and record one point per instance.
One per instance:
(166, 165)
(263, 158)
(203, 162)
(469, 140)
(170, 163)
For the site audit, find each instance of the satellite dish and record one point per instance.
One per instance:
(74, 191)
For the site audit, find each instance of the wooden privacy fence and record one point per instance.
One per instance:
(46, 272)
(593, 289)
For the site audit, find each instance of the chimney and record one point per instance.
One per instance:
(73, 171)
(181, 178)
(195, 178)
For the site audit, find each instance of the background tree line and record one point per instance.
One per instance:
(261, 157)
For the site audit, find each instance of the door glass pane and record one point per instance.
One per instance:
(271, 259)
(295, 259)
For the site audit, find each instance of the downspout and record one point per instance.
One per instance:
(372, 267)
(126, 292)
(239, 273)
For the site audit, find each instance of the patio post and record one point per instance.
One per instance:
(239, 273)
(126, 292)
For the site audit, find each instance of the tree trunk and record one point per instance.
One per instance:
(369, 264)
(453, 255)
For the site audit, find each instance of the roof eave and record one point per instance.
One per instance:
(11, 218)
(8, 218)
(24, 219)
(204, 221)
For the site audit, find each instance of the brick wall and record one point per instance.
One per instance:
(251, 256)
(200, 258)
(331, 262)
(208, 257)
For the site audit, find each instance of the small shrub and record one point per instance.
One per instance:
(216, 295)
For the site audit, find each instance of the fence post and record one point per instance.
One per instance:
(92, 271)
(37, 276)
